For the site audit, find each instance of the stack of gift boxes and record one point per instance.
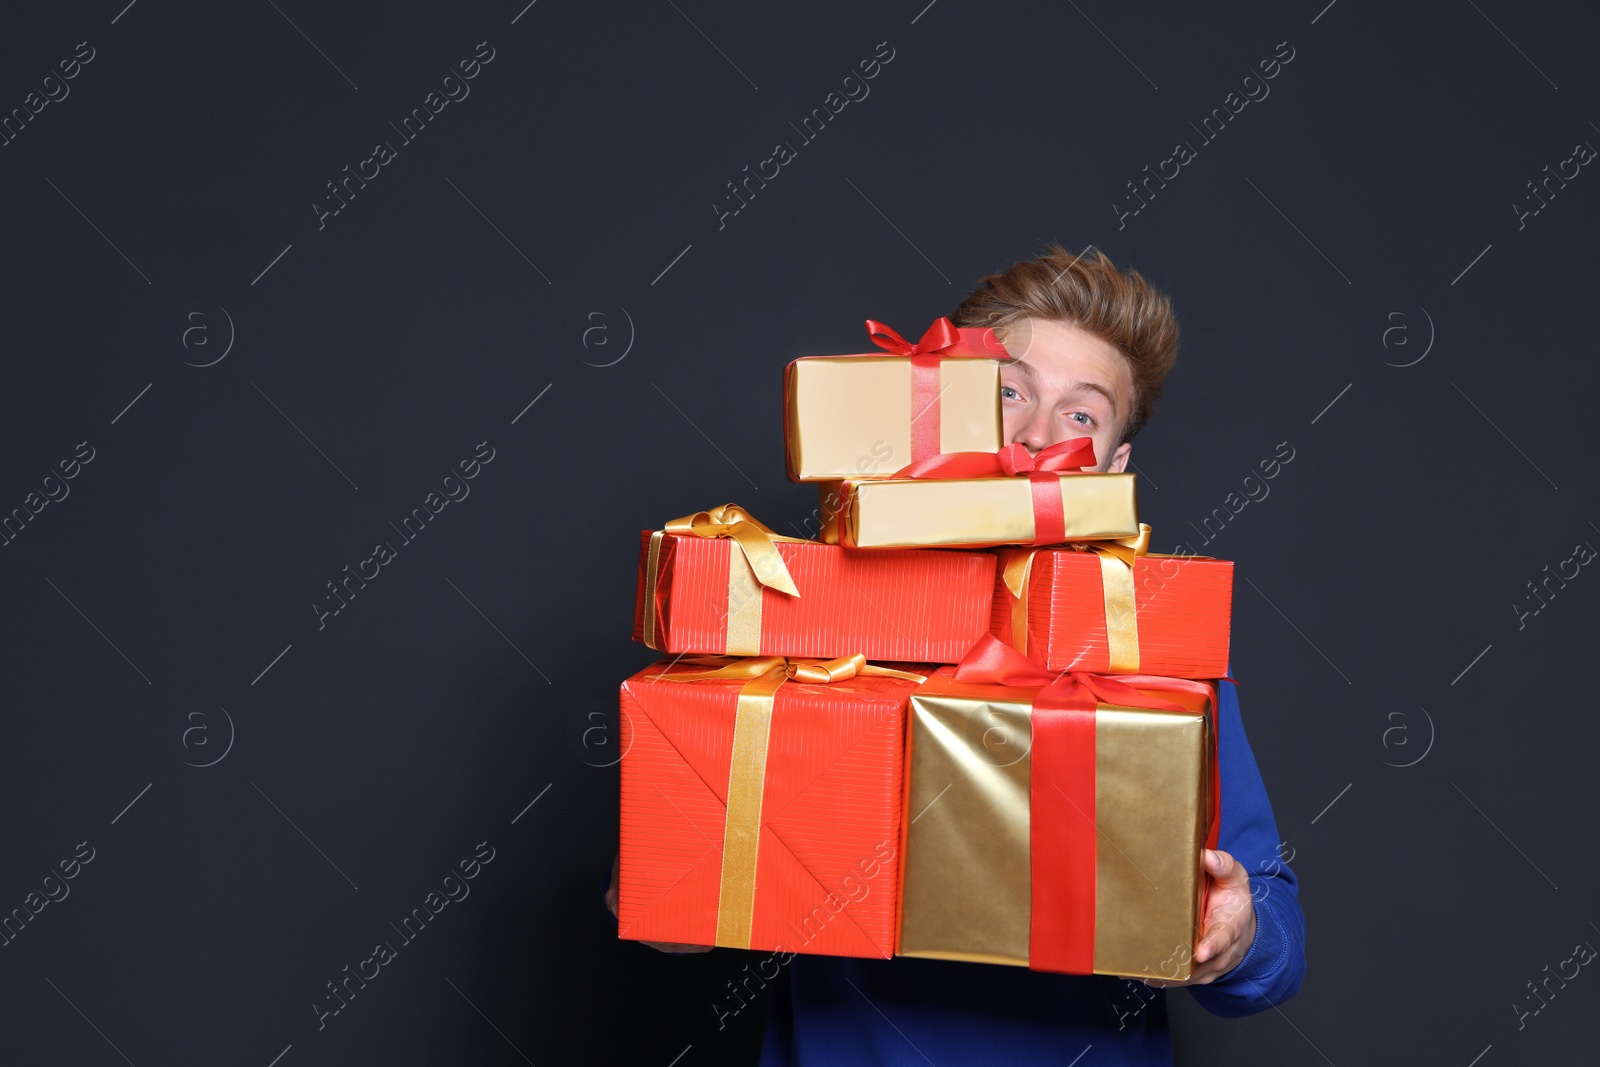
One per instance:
(974, 720)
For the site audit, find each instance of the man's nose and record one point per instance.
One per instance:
(1034, 432)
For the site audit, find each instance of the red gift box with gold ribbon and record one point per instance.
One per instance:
(1057, 821)
(719, 582)
(761, 804)
(1110, 606)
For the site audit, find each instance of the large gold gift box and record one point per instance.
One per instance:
(978, 859)
(975, 512)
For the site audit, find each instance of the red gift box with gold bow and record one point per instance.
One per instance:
(720, 582)
(761, 804)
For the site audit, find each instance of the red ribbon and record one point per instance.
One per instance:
(943, 340)
(1063, 457)
(1062, 790)
(1041, 469)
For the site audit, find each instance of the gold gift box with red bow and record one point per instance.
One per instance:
(868, 415)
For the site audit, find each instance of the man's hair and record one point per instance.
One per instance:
(1120, 308)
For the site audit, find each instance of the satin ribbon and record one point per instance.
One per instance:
(1064, 457)
(1116, 583)
(1042, 469)
(1062, 828)
(755, 565)
(942, 340)
(763, 676)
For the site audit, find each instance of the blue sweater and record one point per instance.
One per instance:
(833, 1010)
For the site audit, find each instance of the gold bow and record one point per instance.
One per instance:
(747, 768)
(754, 539)
(793, 668)
(1116, 581)
(754, 565)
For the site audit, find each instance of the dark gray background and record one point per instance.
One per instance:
(1358, 217)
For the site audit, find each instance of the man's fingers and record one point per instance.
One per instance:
(1229, 925)
(1204, 974)
(1210, 960)
(675, 948)
(1222, 866)
(611, 888)
(1214, 943)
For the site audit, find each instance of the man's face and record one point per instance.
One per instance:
(1062, 383)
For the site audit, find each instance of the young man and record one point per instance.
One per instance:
(1091, 347)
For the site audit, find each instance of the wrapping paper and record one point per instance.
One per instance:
(1077, 851)
(871, 414)
(1066, 617)
(698, 594)
(976, 512)
(763, 812)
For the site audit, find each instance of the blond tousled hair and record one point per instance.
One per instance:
(1089, 292)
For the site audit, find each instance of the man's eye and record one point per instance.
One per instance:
(1081, 418)
(1009, 393)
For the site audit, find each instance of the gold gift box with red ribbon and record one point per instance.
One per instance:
(980, 499)
(720, 582)
(1057, 826)
(871, 414)
(1114, 607)
(761, 803)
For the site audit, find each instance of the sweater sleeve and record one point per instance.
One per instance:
(1273, 968)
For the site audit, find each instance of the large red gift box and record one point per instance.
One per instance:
(762, 811)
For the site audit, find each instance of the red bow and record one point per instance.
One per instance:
(1064, 456)
(943, 338)
(996, 663)
(1042, 470)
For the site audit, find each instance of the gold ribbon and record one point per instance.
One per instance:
(747, 770)
(1116, 583)
(754, 565)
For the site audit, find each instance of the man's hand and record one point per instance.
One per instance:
(1230, 922)
(659, 946)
